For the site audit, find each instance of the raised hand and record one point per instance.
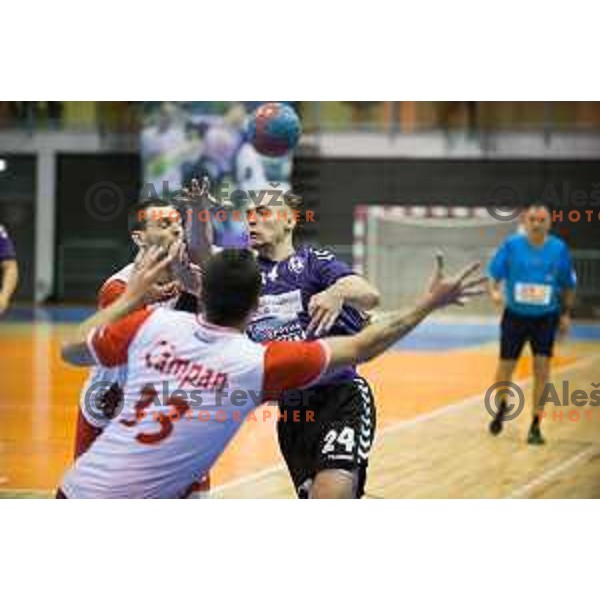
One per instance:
(445, 291)
(150, 265)
(187, 274)
(161, 290)
(199, 192)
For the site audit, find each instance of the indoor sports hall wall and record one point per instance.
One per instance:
(331, 188)
(93, 193)
(342, 184)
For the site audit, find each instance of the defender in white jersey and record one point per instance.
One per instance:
(94, 410)
(213, 375)
(151, 222)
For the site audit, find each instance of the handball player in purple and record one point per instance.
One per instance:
(9, 270)
(308, 293)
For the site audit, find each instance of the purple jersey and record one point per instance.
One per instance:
(7, 250)
(288, 286)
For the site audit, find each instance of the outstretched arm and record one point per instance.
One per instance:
(386, 331)
(149, 269)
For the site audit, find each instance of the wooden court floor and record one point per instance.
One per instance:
(432, 440)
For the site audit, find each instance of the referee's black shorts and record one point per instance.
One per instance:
(516, 330)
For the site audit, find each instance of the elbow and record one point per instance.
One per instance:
(370, 299)
(72, 355)
(66, 353)
(373, 299)
(369, 296)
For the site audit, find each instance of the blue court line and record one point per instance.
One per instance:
(429, 336)
(52, 314)
(439, 336)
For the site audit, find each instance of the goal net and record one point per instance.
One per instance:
(394, 247)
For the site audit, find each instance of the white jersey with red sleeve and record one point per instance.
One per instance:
(101, 378)
(189, 387)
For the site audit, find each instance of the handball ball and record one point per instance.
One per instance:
(274, 129)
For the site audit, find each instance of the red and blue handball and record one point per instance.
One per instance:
(274, 129)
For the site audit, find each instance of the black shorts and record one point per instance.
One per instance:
(516, 330)
(335, 430)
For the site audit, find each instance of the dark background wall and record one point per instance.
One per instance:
(90, 248)
(333, 187)
(93, 193)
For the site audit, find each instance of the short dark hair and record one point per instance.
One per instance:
(231, 285)
(134, 222)
(538, 205)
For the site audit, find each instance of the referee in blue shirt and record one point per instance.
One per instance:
(532, 276)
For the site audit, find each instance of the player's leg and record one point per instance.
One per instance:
(541, 376)
(347, 429)
(199, 490)
(335, 484)
(292, 444)
(513, 334)
(542, 345)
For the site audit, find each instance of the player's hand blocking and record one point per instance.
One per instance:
(445, 291)
(199, 193)
(188, 274)
(149, 268)
(161, 290)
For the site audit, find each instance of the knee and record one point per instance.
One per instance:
(505, 370)
(332, 484)
(541, 368)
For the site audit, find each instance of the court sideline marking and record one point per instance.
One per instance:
(550, 474)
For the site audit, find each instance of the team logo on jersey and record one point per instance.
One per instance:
(296, 264)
